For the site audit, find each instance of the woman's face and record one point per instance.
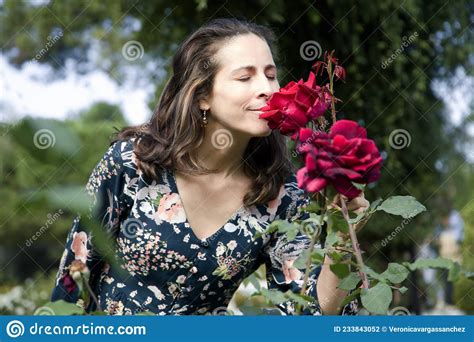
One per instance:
(246, 79)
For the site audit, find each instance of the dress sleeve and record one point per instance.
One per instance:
(105, 194)
(279, 256)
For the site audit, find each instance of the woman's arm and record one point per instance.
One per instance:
(107, 206)
(329, 296)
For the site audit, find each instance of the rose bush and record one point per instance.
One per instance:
(338, 162)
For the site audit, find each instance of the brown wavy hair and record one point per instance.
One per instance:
(174, 130)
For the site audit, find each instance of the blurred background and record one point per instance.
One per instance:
(71, 72)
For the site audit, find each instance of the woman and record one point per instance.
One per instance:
(183, 195)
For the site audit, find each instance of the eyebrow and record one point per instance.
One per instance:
(251, 67)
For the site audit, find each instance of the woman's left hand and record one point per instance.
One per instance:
(358, 204)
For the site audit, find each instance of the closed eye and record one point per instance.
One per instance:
(243, 79)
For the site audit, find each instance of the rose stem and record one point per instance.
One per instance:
(355, 245)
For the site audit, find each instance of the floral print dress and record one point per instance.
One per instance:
(159, 265)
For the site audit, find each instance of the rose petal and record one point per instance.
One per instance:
(349, 129)
(316, 185)
(345, 187)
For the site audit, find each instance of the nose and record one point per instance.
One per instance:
(265, 88)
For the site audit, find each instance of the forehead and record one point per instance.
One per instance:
(244, 50)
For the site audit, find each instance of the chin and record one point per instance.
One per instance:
(264, 132)
(257, 128)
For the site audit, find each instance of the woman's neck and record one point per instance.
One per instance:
(223, 150)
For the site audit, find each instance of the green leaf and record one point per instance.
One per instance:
(313, 218)
(291, 234)
(358, 218)
(59, 308)
(454, 272)
(281, 226)
(288, 228)
(313, 207)
(375, 204)
(274, 296)
(317, 257)
(336, 222)
(350, 297)
(377, 299)
(395, 273)
(371, 273)
(299, 298)
(273, 227)
(341, 270)
(359, 186)
(331, 238)
(300, 263)
(402, 289)
(350, 282)
(430, 263)
(405, 206)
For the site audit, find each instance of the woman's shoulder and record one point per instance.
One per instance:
(119, 157)
(122, 149)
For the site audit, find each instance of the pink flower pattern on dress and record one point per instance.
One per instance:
(171, 209)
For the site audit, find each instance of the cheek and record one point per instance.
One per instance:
(234, 100)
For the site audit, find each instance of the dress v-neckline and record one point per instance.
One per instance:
(218, 231)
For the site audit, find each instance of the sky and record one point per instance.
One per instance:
(27, 91)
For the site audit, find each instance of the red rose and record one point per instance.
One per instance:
(295, 104)
(343, 156)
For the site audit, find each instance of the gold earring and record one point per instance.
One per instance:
(204, 119)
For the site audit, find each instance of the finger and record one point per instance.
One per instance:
(358, 205)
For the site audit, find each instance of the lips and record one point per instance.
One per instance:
(258, 109)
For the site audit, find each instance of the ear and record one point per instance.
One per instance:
(204, 104)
